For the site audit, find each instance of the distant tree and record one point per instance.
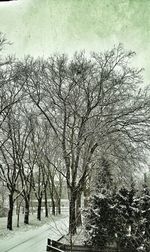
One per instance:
(16, 131)
(9, 169)
(104, 173)
(38, 140)
(26, 172)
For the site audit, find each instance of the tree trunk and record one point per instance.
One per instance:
(53, 206)
(18, 217)
(60, 193)
(32, 207)
(39, 209)
(78, 211)
(3, 195)
(27, 211)
(18, 211)
(46, 206)
(86, 192)
(10, 212)
(72, 214)
(59, 206)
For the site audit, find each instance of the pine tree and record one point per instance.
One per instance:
(99, 217)
(144, 226)
(99, 222)
(103, 180)
(127, 206)
(120, 216)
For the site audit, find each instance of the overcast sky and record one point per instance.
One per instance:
(41, 27)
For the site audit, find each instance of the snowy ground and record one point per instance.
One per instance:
(33, 237)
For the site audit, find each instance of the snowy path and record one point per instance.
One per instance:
(35, 240)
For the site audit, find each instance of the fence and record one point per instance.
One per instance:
(55, 246)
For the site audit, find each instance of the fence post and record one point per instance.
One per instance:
(48, 244)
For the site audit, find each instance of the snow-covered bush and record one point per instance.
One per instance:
(121, 217)
(99, 220)
(128, 214)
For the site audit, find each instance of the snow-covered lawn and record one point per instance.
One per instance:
(33, 237)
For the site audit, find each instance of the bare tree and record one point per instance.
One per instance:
(9, 169)
(90, 103)
(26, 164)
(39, 180)
(15, 133)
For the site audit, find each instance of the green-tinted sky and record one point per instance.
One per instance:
(40, 27)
